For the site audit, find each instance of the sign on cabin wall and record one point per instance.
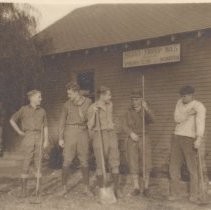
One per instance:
(149, 56)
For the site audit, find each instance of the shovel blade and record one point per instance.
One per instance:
(107, 195)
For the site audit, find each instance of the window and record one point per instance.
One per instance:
(86, 83)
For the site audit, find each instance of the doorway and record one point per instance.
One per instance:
(87, 83)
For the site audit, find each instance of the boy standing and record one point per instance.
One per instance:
(73, 134)
(33, 121)
(189, 117)
(133, 124)
(104, 107)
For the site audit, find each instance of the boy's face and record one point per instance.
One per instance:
(136, 102)
(36, 99)
(72, 94)
(187, 98)
(107, 96)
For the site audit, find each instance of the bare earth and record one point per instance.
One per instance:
(52, 200)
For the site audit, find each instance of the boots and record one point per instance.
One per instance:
(23, 188)
(100, 181)
(117, 190)
(136, 187)
(65, 172)
(85, 174)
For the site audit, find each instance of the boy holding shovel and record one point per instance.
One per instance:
(190, 117)
(33, 122)
(133, 127)
(100, 118)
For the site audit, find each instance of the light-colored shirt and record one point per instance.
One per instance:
(187, 123)
(31, 119)
(105, 116)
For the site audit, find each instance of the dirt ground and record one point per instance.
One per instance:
(52, 200)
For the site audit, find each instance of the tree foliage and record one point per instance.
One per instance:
(21, 67)
(20, 61)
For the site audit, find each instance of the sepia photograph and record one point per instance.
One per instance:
(105, 105)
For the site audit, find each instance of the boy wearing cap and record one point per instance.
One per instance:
(132, 126)
(189, 117)
(73, 134)
(104, 107)
(32, 119)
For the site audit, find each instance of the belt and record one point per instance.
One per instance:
(77, 126)
(33, 131)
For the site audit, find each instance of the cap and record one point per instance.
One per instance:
(33, 92)
(136, 93)
(72, 85)
(185, 90)
(103, 89)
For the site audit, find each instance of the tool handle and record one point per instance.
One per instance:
(99, 130)
(143, 131)
(40, 161)
(201, 175)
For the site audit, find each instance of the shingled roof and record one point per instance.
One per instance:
(108, 24)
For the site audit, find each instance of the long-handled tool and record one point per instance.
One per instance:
(202, 184)
(106, 192)
(37, 199)
(143, 135)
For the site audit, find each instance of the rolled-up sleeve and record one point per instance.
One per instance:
(200, 119)
(45, 121)
(17, 115)
(62, 121)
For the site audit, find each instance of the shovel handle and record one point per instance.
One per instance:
(201, 175)
(99, 130)
(39, 162)
(143, 132)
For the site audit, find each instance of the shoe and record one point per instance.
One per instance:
(173, 198)
(197, 201)
(64, 192)
(87, 191)
(118, 193)
(23, 193)
(194, 199)
(146, 193)
(135, 192)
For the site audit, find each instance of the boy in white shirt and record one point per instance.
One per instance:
(189, 117)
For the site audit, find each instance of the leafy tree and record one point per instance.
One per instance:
(21, 67)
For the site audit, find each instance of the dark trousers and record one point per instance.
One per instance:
(182, 149)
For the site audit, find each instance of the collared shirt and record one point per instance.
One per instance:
(190, 125)
(133, 121)
(105, 116)
(74, 113)
(31, 119)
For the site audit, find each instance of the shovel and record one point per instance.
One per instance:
(107, 195)
(37, 199)
(202, 184)
(143, 133)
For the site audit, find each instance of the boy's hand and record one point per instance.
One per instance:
(61, 143)
(95, 108)
(21, 133)
(191, 112)
(45, 144)
(134, 136)
(198, 142)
